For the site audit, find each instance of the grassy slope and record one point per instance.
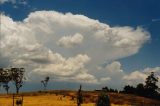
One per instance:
(68, 98)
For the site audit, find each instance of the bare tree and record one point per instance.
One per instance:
(45, 82)
(18, 77)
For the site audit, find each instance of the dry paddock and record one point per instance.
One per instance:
(44, 100)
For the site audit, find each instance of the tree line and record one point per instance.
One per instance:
(150, 89)
(16, 76)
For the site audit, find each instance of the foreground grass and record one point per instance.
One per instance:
(45, 100)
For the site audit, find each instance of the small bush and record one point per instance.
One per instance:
(103, 100)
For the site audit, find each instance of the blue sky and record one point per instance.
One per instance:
(115, 13)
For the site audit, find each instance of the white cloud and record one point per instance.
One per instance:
(105, 79)
(64, 67)
(135, 78)
(155, 20)
(114, 75)
(70, 41)
(85, 77)
(140, 75)
(71, 69)
(23, 2)
(123, 36)
(149, 70)
(15, 2)
(4, 1)
(114, 67)
(32, 43)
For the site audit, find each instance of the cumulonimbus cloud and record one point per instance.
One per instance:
(66, 45)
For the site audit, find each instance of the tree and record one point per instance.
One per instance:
(151, 85)
(140, 90)
(105, 89)
(45, 82)
(150, 89)
(129, 89)
(5, 78)
(1, 76)
(103, 100)
(18, 77)
(111, 90)
(1, 70)
(116, 91)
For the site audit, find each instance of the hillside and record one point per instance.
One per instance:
(68, 98)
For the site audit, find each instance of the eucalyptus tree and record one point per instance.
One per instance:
(5, 78)
(18, 77)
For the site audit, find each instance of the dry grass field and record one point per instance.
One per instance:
(68, 98)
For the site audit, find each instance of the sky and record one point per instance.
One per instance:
(95, 43)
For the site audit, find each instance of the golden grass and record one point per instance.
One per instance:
(44, 100)
(65, 98)
(41, 100)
